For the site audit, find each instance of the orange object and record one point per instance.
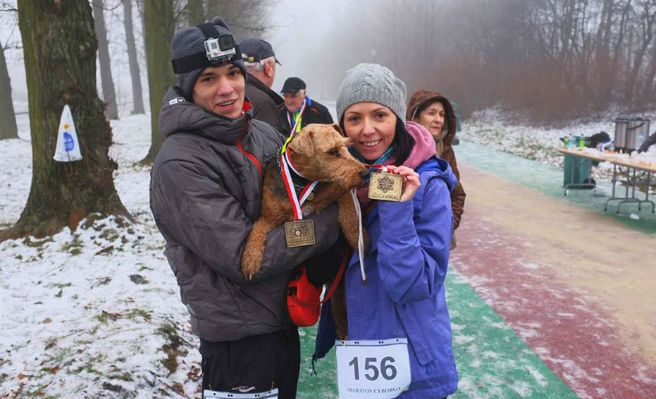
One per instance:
(304, 298)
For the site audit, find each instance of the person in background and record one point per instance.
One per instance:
(260, 61)
(435, 112)
(402, 307)
(300, 109)
(205, 193)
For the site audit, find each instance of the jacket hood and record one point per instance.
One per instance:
(424, 147)
(421, 97)
(446, 173)
(177, 115)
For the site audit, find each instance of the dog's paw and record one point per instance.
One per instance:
(249, 266)
(249, 271)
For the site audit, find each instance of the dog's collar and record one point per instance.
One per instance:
(296, 199)
(299, 181)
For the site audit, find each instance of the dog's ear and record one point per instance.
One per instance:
(339, 129)
(303, 143)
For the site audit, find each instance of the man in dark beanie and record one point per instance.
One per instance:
(205, 192)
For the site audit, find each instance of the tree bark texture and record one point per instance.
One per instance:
(8, 129)
(159, 24)
(135, 75)
(59, 46)
(195, 12)
(246, 18)
(109, 95)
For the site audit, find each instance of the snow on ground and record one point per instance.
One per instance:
(96, 312)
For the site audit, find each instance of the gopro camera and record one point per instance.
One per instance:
(220, 49)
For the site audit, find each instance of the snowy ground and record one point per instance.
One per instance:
(96, 313)
(92, 313)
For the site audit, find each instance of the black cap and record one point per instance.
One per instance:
(293, 85)
(256, 50)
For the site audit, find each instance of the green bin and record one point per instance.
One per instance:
(577, 171)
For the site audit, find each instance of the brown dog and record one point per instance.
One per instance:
(320, 153)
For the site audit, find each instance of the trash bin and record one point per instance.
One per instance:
(577, 171)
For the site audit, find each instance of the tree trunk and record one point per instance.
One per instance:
(195, 12)
(8, 129)
(109, 96)
(137, 95)
(159, 26)
(62, 70)
(246, 18)
(647, 97)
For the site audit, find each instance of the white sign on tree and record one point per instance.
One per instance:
(68, 147)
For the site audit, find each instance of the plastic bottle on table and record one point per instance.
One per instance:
(570, 142)
(581, 141)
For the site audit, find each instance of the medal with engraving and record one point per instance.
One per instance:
(385, 186)
(299, 233)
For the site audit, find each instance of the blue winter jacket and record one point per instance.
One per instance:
(404, 294)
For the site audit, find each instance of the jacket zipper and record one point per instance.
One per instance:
(250, 156)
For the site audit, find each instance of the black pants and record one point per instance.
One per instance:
(253, 364)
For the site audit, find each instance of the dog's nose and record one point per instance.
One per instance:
(365, 173)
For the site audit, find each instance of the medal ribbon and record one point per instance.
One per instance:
(285, 165)
(378, 166)
(358, 211)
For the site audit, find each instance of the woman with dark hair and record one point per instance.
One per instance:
(396, 339)
(435, 112)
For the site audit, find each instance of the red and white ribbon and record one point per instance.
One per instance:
(285, 165)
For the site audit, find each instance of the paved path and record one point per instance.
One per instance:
(576, 285)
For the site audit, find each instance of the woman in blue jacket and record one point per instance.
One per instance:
(397, 315)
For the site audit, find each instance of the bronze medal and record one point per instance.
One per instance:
(299, 233)
(385, 186)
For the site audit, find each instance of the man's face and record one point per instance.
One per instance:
(293, 101)
(220, 90)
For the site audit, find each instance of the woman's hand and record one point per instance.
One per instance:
(410, 181)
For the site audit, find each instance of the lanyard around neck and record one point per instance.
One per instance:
(298, 116)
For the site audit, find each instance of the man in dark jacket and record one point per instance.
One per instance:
(260, 61)
(301, 110)
(205, 192)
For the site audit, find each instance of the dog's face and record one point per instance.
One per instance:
(320, 152)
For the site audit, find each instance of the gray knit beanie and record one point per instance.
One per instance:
(371, 83)
(191, 40)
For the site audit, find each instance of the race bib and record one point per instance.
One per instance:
(272, 394)
(376, 369)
